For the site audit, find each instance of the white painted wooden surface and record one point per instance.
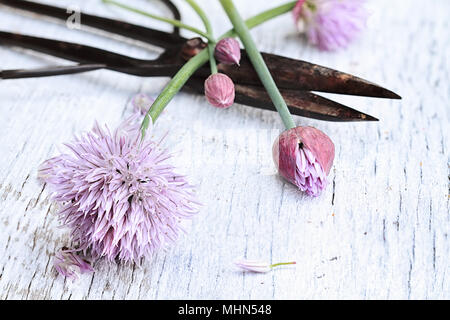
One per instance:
(379, 231)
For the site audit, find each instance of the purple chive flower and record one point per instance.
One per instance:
(228, 51)
(304, 156)
(69, 265)
(120, 196)
(219, 90)
(258, 266)
(330, 24)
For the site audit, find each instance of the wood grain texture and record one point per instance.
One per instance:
(379, 231)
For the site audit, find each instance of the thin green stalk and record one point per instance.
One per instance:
(173, 22)
(263, 17)
(173, 87)
(212, 59)
(177, 82)
(209, 31)
(282, 264)
(258, 62)
(202, 15)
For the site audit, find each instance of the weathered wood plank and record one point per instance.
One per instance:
(379, 231)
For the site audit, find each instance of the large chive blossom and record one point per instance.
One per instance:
(330, 24)
(120, 196)
(304, 156)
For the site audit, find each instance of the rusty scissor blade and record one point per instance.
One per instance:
(301, 75)
(301, 103)
(307, 76)
(288, 73)
(295, 78)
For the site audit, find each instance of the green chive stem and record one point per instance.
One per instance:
(258, 62)
(282, 264)
(209, 31)
(196, 62)
(263, 17)
(173, 22)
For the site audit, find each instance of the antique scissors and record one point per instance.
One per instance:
(295, 78)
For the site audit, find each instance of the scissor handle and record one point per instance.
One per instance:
(147, 35)
(166, 65)
(176, 14)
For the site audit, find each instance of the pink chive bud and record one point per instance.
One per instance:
(304, 156)
(219, 90)
(228, 51)
(69, 265)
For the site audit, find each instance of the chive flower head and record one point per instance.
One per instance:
(330, 24)
(304, 157)
(119, 194)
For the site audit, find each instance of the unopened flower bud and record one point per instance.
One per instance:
(228, 51)
(304, 156)
(219, 90)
